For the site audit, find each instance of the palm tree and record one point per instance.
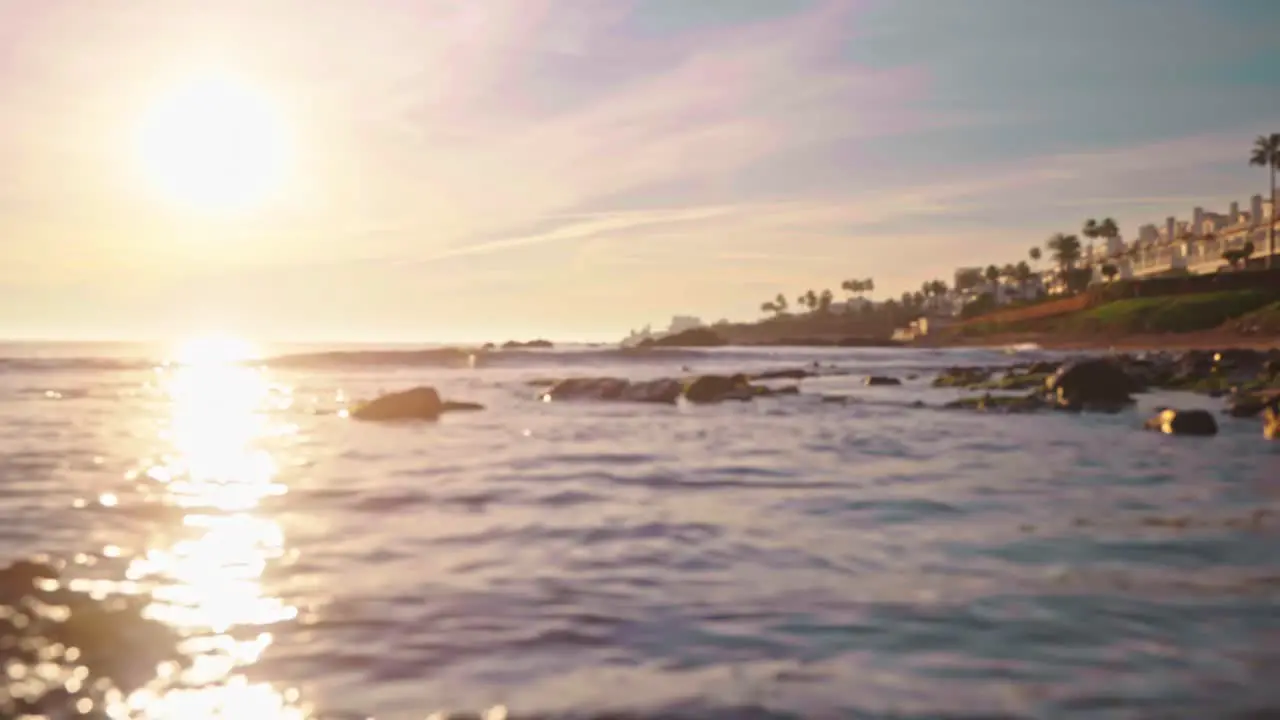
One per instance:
(768, 307)
(1065, 249)
(1091, 229)
(939, 288)
(780, 303)
(1022, 275)
(919, 298)
(869, 285)
(1035, 254)
(907, 299)
(825, 298)
(853, 287)
(811, 300)
(1110, 271)
(1108, 229)
(992, 274)
(1266, 153)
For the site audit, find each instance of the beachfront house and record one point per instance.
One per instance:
(1197, 245)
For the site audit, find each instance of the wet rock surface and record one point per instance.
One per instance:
(68, 654)
(701, 389)
(1091, 384)
(1184, 422)
(420, 403)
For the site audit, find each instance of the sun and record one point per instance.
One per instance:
(214, 143)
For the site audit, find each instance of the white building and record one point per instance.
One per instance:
(1197, 245)
(680, 323)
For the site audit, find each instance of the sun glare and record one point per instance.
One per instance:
(214, 143)
(214, 350)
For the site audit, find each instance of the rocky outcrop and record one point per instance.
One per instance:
(790, 374)
(963, 376)
(531, 345)
(880, 380)
(420, 403)
(1184, 422)
(1005, 404)
(702, 389)
(107, 644)
(1095, 384)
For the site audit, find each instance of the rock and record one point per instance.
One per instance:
(1270, 369)
(586, 388)
(962, 377)
(999, 403)
(1015, 381)
(715, 388)
(1245, 405)
(420, 403)
(664, 390)
(1184, 422)
(1043, 367)
(792, 374)
(880, 380)
(1271, 421)
(694, 337)
(531, 345)
(1091, 384)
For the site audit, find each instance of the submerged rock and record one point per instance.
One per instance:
(1000, 403)
(1091, 385)
(420, 403)
(716, 388)
(1184, 422)
(75, 650)
(880, 380)
(962, 376)
(1246, 404)
(702, 389)
(791, 374)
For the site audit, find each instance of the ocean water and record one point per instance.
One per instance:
(784, 558)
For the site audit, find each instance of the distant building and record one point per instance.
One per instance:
(680, 323)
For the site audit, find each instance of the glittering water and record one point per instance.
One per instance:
(780, 558)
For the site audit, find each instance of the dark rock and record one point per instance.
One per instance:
(999, 403)
(420, 403)
(876, 380)
(1091, 384)
(1246, 405)
(586, 388)
(792, 374)
(715, 388)
(663, 390)
(962, 376)
(694, 337)
(531, 345)
(1184, 422)
(702, 389)
(107, 642)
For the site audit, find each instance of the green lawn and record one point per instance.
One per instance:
(1169, 314)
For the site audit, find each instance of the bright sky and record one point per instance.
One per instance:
(485, 169)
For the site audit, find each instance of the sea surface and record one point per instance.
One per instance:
(782, 558)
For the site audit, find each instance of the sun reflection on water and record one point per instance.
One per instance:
(208, 583)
